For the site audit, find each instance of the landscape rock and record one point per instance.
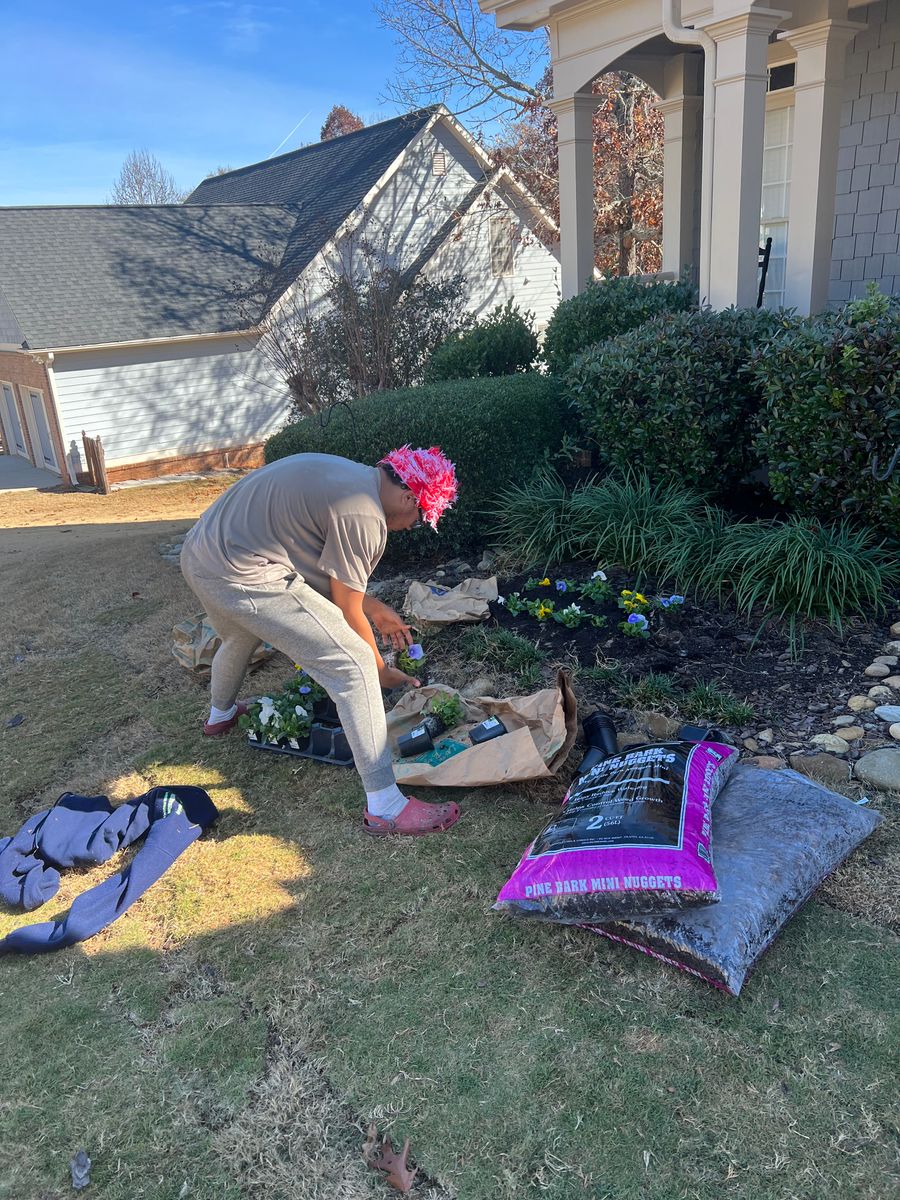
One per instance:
(658, 725)
(852, 733)
(487, 561)
(889, 713)
(627, 740)
(848, 718)
(817, 706)
(768, 762)
(877, 670)
(830, 743)
(859, 704)
(751, 744)
(892, 681)
(824, 767)
(891, 648)
(880, 693)
(889, 660)
(895, 629)
(880, 768)
(482, 686)
(894, 731)
(766, 736)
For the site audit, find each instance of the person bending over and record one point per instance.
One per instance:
(284, 556)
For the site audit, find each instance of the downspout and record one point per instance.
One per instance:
(684, 35)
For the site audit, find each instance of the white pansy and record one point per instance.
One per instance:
(501, 599)
(599, 575)
(300, 710)
(266, 709)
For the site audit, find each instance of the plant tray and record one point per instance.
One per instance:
(325, 744)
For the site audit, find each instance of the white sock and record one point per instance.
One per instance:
(221, 714)
(388, 803)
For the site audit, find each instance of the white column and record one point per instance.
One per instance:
(818, 91)
(575, 133)
(681, 107)
(741, 69)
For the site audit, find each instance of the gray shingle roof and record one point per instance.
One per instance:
(325, 181)
(80, 276)
(83, 276)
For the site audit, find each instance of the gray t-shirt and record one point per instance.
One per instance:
(315, 514)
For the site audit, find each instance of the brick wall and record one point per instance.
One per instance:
(866, 225)
(23, 371)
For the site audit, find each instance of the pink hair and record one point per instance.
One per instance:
(429, 475)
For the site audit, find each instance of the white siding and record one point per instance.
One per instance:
(534, 283)
(415, 204)
(164, 401)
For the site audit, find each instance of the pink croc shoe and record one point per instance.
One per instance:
(214, 729)
(416, 820)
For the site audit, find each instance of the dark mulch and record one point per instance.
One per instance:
(704, 641)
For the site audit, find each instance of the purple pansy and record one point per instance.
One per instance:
(561, 585)
(638, 619)
(304, 691)
(415, 652)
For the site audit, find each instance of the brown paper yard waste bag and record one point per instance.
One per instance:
(431, 604)
(542, 730)
(195, 642)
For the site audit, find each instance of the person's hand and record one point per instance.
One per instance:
(393, 677)
(391, 627)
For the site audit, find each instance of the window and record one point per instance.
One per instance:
(502, 250)
(781, 77)
(439, 163)
(776, 198)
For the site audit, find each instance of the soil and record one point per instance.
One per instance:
(703, 642)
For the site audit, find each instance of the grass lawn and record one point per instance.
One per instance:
(289, 980)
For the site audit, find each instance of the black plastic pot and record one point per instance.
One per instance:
(489, 728)
(421, 739)
(600, 734)
(320, 740)
(325, 711)
(324, 744)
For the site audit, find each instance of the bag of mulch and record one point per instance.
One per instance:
(633, 837)
(194, 642)
(777, 835)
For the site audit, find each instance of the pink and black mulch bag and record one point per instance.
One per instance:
(634, 837)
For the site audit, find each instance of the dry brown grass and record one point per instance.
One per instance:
(287, 981)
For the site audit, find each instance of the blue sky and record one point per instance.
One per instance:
(200, 85)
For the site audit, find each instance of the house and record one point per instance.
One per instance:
(141, 324)
(780, 122)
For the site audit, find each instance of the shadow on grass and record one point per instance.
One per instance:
(288, 980)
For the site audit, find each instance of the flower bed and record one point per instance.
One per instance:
(668, 651)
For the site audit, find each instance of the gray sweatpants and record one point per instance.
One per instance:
(310, 630)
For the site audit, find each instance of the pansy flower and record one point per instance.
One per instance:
(415, 652)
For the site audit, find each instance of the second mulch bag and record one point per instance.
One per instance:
(540, 733)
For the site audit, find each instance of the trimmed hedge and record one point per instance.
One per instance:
(495, 430)
(832, 392)
(503, 343)
(675, 397)
(607, 309)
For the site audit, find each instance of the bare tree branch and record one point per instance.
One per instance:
(144, 180)
(451, 53)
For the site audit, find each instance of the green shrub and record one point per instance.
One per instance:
(529, 519)
(831, 388)
(503, 343)
(607, 309)
(642, 524)
(675, 397)
(495, 430)
(801, 569)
